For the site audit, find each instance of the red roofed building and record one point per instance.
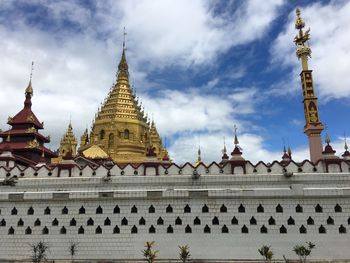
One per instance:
(23, 139)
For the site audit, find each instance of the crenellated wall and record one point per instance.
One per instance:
(110, 215)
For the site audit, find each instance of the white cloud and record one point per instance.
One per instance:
(74, 69)
(330, 41)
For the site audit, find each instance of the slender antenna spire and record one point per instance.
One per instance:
(284, 145)
(31, 71)
(124, 36)
(225, 150)
(345, 143)
(29, 89)
(236, 142)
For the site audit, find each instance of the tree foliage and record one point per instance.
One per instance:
(266, 253)
(39, 251)
(303, 251)
(73, 248)
(184, 254)
(149, 253)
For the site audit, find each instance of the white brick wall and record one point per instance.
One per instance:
(269, 190)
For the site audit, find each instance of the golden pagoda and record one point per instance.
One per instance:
(68, 144)
(120, 127)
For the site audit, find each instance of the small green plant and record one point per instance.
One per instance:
(39, 251)
(266, 253)
(149, 253)
(303, 251)
(184, 254)
(73, 248)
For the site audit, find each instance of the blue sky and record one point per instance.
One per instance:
(199, 67)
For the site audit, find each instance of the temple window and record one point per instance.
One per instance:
(291, 221)
(55, 222)
(160, 221)
(178, 221)
(110, 140)
(98, 230)
(170, 229)
(47, 211)
(272, 221)
(151, 209)
(241, 209)
(215, 221)
(224, 229)
(124, 222)
(205, 209)
(260, 209)
(107, 222)
(223, 209)
(253, 221)
(152, 230)
(102, 134)
(116, 210)
(322, 230)
(11, 231)
(245, 230)
(263, 229)
(64, 210)
(81, 230)
(37, 222)
(338, 208)
(63, 231)
(82, 210)
(283, 230)
(90, 222)
(134, 230)
(197, 221)
(142, 221)
(126, 134)
(187, 209)
(134, 209)
(14, 211)
(234, 221)
(169, 209)
(299, 209)
(45, 231)
(99, 210)
(279, 209)
(310, 221)
(116, 230)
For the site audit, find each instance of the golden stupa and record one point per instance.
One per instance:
(121, 128)
(68, 144)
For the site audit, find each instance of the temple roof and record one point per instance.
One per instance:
(95, 152)
(26, 116)
(25, 132)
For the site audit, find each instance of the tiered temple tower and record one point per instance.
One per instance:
(121, 128)
(24, 139)
(68, 145)
(313, 126)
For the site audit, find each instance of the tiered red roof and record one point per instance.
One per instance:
(23, 139)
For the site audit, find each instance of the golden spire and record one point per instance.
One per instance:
(300, 40)
(8, 138)
(327, 140)
(199, 158)
(29, 89)
(123, 67)
(313, 126)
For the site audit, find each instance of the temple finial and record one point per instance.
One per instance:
(29, 89)
(236, 142)
(124, 36)
(345, 143)
(225, 150)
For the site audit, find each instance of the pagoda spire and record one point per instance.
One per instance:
(123, 73)
(313, 126)
(29, 89)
